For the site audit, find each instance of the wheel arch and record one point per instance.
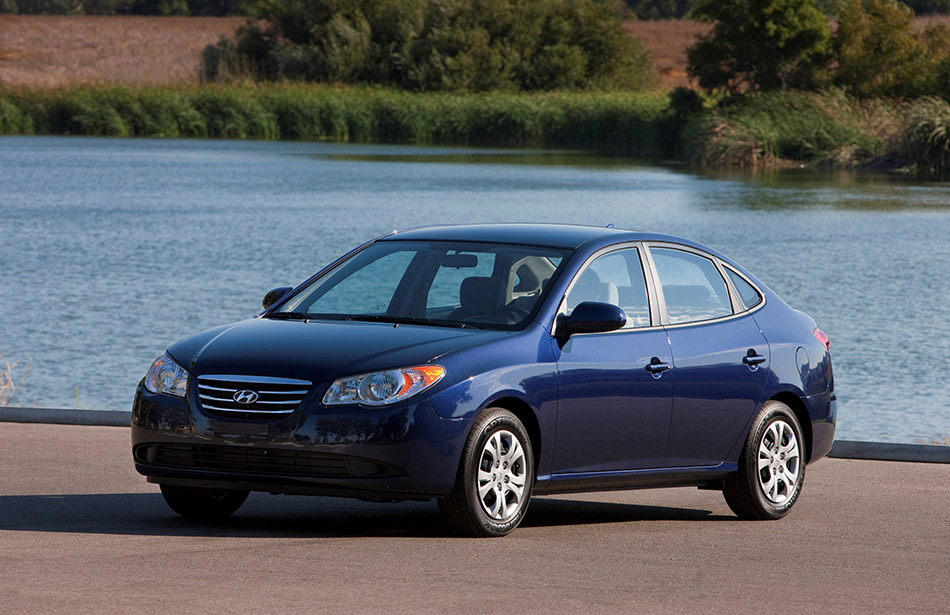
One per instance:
(801, 413)
(528, 417)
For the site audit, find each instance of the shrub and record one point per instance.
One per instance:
(878, 52)
(445, 45)
(760, 45)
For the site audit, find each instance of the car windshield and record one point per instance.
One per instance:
(481, 285)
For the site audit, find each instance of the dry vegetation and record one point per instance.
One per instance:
(668, 41)
(54, 51)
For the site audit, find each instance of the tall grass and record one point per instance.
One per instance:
(926, 136)
(827, 128)
(819, 128)
(12, 377)
(629, 122)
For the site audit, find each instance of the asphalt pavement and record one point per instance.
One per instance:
(82, 532)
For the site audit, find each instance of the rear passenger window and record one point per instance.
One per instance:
(615, 278)
(747, 293)
(692, 286)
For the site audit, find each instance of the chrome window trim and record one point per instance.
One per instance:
(762, 298)
(733, 295)
(651, 294)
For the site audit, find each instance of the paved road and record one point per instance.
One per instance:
(81, 532)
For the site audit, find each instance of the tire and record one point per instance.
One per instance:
(202, 504)
(495, 477)
(771, 467)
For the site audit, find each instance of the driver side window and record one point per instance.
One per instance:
(615, 278)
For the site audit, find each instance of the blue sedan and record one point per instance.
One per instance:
(482, 365)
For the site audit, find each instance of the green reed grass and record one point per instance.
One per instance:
(827, 128)
(819, 128)
(630, 122)
(926, 135)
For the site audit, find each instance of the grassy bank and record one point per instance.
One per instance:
(823, 129)
(627, 122)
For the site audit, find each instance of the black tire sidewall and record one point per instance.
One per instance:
(774, 411)
(202, 504)
(502, 421)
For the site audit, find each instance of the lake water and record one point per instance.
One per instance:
(111, 249)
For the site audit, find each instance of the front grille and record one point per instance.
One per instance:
(266, 461)
(263, 397)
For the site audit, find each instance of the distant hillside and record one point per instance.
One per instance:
(57, 50)
(51, 51)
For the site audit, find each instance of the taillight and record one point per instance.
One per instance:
(822, 337)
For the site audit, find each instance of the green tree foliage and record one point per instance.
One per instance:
(879, 53)
(456, 45)
(759, 45)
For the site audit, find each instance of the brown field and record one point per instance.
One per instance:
(668, 41)
(50, 51)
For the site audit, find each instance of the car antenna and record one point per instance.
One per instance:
(610, 225)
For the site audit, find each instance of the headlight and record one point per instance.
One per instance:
(166, 376)
(381, 388)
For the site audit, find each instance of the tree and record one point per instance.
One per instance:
(759, 45)
(879, 52)
(459, 45)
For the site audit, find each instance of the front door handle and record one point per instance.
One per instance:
(752, 358)
(657, 367)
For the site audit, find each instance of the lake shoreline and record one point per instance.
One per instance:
(822, 130)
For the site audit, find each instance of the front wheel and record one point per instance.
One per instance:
(771, 468)
(495, 477)
(202, 504)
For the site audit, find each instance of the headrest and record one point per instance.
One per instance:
(587, 288)
(481, 295)
(526, 280)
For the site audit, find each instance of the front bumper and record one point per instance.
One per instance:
(403, 451)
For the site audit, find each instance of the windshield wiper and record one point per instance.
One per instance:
(289, 315)
(407, 320)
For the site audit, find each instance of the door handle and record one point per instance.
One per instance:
(657, 367)
(752, 358)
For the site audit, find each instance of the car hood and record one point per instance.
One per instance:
(317, 350)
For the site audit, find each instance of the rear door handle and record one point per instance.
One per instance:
(751, 358)
(657, 367)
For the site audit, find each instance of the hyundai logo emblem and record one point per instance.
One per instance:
(246, 397)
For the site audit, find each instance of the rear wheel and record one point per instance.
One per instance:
(495, 478)
(771, 468)
(202, 504)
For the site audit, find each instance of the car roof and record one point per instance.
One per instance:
(548, 235)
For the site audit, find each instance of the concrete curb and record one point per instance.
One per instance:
(842, 449)
(885, 451)
(100, 418)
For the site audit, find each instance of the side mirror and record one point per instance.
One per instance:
(274, 296)
(591, 317)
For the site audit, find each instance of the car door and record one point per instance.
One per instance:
(719, 355)
(613, 414)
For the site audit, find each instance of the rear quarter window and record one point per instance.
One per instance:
(747, 293)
